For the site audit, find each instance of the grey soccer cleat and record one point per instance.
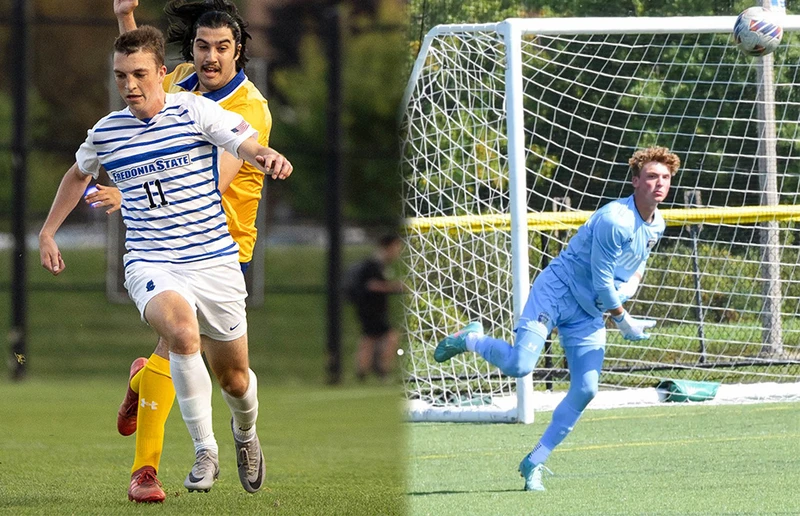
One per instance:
(250, 462)
(204, 472)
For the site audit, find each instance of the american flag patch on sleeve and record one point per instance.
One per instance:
(241, 127)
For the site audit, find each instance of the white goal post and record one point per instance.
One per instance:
(514, 132)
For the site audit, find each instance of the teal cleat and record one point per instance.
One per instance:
(456, 343)
(532, 473)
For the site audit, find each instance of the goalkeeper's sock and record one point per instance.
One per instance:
(193, 391)
(244, 410)
(585, 365)
(518, 360)
(156, 396)
(539, 454)
(136, 380)
(471, 340)
(564, 419)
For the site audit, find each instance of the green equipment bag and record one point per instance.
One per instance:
(686, 390)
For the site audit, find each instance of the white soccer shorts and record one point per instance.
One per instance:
(217, 294)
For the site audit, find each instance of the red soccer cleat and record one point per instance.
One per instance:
(145, 486)
(126, 416)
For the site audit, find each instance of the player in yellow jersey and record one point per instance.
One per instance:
(213, 38)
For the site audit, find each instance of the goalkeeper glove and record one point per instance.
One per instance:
(632, 328)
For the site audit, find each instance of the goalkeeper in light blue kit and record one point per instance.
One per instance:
(598, 271)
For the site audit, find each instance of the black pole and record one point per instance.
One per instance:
(332, 24)
(694, 231)
(19, 175)
(692, 199)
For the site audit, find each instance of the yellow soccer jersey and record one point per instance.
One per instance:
(240, 201)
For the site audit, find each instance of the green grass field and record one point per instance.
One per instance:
(669, 460)
(329, 450)
(342, 450)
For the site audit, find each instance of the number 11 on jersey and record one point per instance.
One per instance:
(148, 188)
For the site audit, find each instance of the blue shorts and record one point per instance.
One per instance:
(551, 303)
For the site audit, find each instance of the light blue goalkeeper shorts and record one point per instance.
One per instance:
(551, 303)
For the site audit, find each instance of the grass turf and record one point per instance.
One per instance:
(661, 460)
(329, 450)
(341, 450)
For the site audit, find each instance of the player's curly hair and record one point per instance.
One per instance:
(658, 154)
(185, 16)
(146, 39)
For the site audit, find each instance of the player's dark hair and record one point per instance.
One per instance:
(658, 154)
(388, 239)
(185, 16)
(146, 39)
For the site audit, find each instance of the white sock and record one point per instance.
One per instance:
(193, 391)
(471, 340)
(244, 410)
(540, 453)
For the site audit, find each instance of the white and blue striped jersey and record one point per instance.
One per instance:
(166, 168)
(608, 248)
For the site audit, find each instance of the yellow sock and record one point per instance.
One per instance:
(156, 395)
(136, 380)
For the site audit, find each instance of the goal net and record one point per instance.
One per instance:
(515, 132)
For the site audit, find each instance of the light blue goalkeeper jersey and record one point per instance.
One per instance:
(610, 247)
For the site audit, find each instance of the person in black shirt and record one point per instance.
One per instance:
(370, 294)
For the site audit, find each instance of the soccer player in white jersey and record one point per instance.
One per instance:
(598, 271)
(213, 37)
(181, 268)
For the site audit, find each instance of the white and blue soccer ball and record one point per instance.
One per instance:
(757, 31)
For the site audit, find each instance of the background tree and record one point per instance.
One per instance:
(374, 56)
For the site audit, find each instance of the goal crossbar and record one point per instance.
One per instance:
(560, 221)
(592, 25)
(609, 25)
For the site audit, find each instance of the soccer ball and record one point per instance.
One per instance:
(757, 31)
